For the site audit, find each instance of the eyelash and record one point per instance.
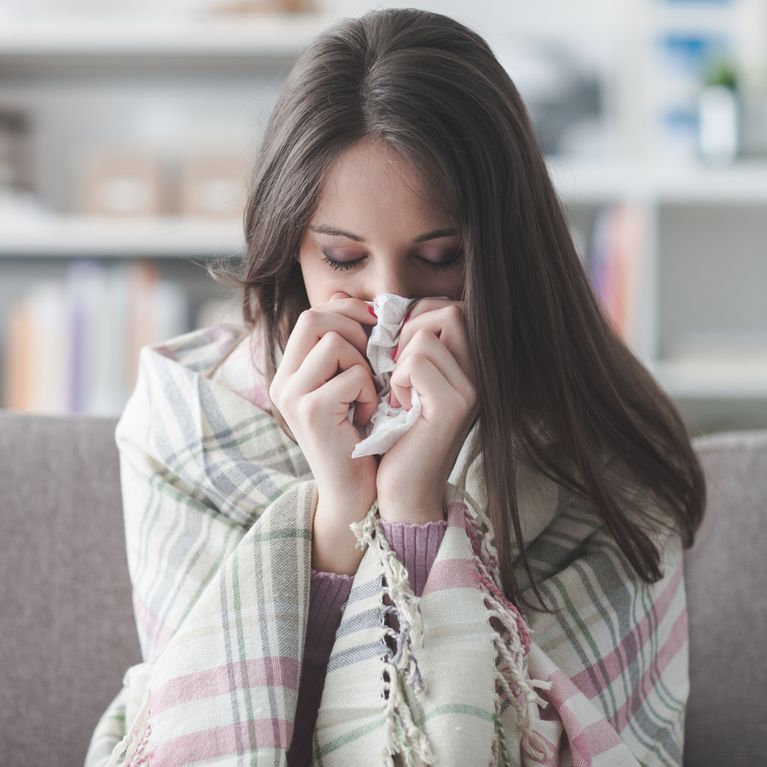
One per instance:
(437, 267)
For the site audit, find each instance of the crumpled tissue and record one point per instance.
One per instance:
(388, 423)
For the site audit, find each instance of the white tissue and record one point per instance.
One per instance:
(388, 423)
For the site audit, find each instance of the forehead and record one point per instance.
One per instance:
(371, 181)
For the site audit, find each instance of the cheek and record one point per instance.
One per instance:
(453, 287)
(319, 285)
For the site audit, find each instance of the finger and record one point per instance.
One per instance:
(431, 318)
(447, 324)
(426, 346)
(329, 356)
(439, 399)
(360, 310)
(344, 316)
(353, 307)
(423, 305)
(353, 385)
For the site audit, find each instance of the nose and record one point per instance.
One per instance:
(390, 279)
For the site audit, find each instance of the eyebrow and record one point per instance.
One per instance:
(327, 229)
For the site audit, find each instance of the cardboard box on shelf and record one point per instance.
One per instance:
(121, 183)
(213, 185)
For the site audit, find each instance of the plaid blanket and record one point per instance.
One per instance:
(218, 503)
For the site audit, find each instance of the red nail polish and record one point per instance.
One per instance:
(370, 309)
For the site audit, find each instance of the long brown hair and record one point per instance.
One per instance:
(550, 369)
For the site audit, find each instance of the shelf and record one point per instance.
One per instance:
(204, 36)
(580, 184)
(69, 236)
(743, 182)
(710, 380)
(692, 18)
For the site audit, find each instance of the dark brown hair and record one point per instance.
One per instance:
(550, 369)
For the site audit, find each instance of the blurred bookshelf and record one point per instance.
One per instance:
(674, 248)
(65, 39)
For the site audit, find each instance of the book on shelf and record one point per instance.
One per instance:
(72, 346)
(613, 264)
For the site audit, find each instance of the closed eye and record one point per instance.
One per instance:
(433, 265)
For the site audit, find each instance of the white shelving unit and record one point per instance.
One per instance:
(159, 237)
(49, 40)
(702, 265)
(710, 195)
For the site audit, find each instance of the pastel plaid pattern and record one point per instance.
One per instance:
(218, 503)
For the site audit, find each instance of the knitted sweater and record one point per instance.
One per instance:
(416, 547)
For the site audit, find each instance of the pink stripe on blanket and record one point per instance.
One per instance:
(258, 672)
(594, 740)
(451, 574)
(585, 743)
(233, 739)
(677, 640)
(258, 395)
(455, 512)
(619, 658)
(220, 332)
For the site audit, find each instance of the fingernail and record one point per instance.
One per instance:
(394, 352)
(370, 309)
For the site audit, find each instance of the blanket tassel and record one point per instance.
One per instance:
(511, 659)
(128, 748)
(403, 736)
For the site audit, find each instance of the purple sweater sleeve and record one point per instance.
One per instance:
(416, 547)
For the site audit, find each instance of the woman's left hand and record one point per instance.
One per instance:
(433, 356)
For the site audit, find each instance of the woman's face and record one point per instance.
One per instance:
(394, 240)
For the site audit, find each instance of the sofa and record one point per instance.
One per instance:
(67, 632)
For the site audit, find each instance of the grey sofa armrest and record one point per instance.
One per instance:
(726, 584)
(67, 631)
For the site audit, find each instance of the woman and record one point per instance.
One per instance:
(547, 473)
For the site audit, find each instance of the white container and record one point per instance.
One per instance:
(719, 120)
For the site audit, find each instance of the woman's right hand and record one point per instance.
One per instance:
(314, 398)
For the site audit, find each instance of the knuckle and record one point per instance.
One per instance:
(333, 338)
(274, 391)
(416, 357)
(420, 338)
(307, 317)
(303, 318)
